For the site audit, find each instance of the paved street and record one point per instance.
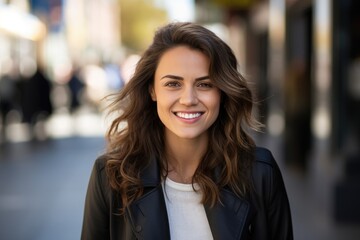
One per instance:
(43, 185)
(42, 188)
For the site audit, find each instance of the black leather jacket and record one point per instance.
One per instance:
(264, 215)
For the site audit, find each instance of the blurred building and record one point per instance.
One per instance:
(304, 58)
(82, 31)
(21, 34)
(62, 39)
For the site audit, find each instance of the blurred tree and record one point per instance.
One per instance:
(139, 20)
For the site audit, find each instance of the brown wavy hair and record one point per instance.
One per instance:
(136, 135)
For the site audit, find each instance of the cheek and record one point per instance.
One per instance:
(214, 101)
(216, 110)
(165, 99)
(215, 106)
(163, 111)
(162, 103)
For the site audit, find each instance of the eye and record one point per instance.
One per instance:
(205, 85)
(172, 84)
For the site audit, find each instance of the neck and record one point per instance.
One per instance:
(184, 157)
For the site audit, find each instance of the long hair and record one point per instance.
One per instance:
(136, 135)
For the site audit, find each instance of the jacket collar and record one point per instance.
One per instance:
(149, 218)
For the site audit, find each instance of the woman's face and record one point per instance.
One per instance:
(187, 101)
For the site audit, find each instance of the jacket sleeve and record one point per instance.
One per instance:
(279, 216)
(274, 215)
(96, 211)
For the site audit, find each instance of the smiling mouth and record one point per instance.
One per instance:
(188, 115)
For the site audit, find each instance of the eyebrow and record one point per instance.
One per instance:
(181, 78)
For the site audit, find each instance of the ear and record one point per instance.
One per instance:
(152, 93)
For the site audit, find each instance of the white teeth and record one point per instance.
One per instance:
(188, 115)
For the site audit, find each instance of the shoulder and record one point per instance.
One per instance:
(99, 179)
(266, 174)
(99, 170)
(269, 198)
(100, 164)
(97, 203)
(264, 162)
(264, 157)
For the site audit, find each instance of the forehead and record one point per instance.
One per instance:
(183, 57)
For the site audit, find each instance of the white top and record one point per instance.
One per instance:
(186, 213)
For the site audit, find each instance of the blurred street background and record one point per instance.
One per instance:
(59, 59)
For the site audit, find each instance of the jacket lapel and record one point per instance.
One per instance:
(228, 218)
(149, 220)
(148, 214)
(149, 217)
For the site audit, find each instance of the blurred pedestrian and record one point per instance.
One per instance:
(10, 109)
(183, 167)
(8, 93)
(76, 87)
(36, 101)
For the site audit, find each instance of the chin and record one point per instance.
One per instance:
(189, 136)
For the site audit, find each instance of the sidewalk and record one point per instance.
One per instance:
(310, 197)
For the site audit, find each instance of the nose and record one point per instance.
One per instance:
(188, 97)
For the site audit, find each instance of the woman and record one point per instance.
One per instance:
(183, 166)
